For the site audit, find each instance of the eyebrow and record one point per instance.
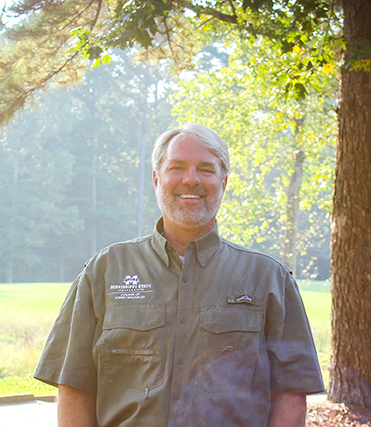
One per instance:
(201, 164)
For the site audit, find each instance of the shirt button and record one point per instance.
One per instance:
(185, 279)
(176, 397)
(179, 361)
(183, 321)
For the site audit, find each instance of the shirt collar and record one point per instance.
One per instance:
(205, 246)
(159, 242)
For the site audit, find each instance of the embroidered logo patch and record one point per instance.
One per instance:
(131, 288)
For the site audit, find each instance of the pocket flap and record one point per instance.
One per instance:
(228, 319)
(142, 317)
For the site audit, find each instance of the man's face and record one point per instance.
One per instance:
(190, 184)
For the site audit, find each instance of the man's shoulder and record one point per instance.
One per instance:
(118, 248)
(252, 253)
(248, 251)
(137, 241)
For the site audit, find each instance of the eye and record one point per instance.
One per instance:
(208, 171)
(175, 168)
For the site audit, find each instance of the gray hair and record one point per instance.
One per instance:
(204, 135)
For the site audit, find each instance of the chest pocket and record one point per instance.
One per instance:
(131, 346)
(229, 347)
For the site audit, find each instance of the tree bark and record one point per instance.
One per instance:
(350, 378)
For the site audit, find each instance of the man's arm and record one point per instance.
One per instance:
(288, 410)
(76, 407)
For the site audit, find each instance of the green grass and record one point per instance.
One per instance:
(315, 285)
(317, 300)
(28, 310)
(27, 313)
(17, 384)
(33, 298)
(318, 308)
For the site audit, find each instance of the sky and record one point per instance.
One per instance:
(6, 17)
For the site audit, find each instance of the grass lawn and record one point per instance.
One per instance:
(27, 313)
(318, 308)
(33, 298)
(28, 310)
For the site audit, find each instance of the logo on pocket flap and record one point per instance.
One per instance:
(131, 288)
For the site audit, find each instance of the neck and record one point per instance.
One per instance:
(179, 236)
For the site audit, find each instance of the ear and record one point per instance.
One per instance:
(224, 183)
(154, 179)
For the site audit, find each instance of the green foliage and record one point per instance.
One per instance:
(43, 43)
(262, 168)
(312, 27)
(32, 193)
(360, 58)
(264, 133)
(71, 165)
(34, 50)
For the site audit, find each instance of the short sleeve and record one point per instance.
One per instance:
(68, 354)
(293, 357)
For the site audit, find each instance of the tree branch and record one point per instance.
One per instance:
(205, 10)
(232, 7)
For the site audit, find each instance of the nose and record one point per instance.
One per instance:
(191, 177)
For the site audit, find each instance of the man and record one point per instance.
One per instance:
(183, 328)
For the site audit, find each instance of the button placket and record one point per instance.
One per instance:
(182, 332)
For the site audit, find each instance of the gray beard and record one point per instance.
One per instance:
(197, 218)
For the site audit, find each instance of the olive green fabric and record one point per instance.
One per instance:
(171, 344)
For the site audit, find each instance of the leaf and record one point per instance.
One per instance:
(144, 39)
(94, 52)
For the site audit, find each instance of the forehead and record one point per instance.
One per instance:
(187, 148)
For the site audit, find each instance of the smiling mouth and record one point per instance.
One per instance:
(190, 196)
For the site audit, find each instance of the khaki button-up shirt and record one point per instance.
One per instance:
(170, 344)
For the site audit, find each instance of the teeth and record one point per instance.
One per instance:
(189, 196)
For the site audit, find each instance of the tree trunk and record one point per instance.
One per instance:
(350, 379)
(292, 222)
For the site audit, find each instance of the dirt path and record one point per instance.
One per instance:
(37, 413)
(328, 414)
(31, 414)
